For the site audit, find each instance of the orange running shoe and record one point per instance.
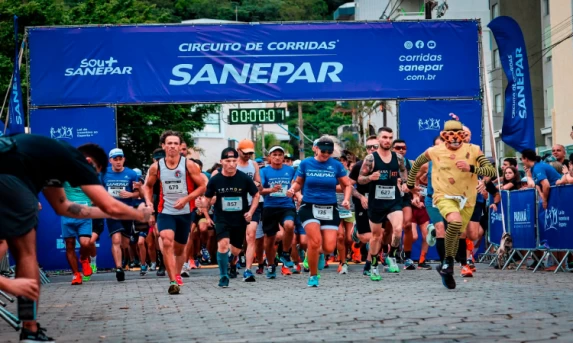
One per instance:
(86, 267)
(339, 268)
(285, 270)
(466, 271)
(192, 264)
(77, 280)
(356, 255)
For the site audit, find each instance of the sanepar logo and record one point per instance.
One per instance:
(98, 67)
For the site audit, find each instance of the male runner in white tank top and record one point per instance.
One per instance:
(181, 183)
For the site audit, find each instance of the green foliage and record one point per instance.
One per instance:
(270, 140)
(351, 144)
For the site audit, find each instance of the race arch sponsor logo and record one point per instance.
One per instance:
(98, 67)
(429, 124)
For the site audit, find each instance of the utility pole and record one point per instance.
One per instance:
(300, 128)
(428, 7)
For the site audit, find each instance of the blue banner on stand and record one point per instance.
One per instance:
(16, 107)
(495, 219)
(522, 219)
(555, 222)
(75, 126)
(422, 121)
(263, 62)
(518, 129)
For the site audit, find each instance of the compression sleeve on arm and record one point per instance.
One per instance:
(420, 161)
(485, 167)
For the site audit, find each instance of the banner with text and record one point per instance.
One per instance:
(422, 121)
(495, 231)
(554, 222)
(263, 62)
(75, 126)
(521, 216)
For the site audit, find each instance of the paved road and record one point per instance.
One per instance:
(410, 306)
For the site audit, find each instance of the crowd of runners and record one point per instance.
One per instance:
(299, 216)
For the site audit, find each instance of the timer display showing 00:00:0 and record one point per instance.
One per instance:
(256, 116)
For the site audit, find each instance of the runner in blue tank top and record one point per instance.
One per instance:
(317, 177)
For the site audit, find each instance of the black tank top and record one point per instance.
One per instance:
(384, 193)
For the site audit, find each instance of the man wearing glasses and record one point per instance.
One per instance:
(246, 164)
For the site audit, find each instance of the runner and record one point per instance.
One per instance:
(454, 182)
(410, 233)
(140, 229)
(344, 234)
(420, 216)
(181, 183)
(230, 187)
(436, 228)
(361, 232)
(382, 170)
(27, 168)
(317, 177)
(278, 210)
(119, 181)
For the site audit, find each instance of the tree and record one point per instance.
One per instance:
(360, 110)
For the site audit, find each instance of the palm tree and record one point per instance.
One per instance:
(360, 109)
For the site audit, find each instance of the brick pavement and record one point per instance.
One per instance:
(494, 306)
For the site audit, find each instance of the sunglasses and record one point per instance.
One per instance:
(247, 153)
(400, 147)
(374, 146)
(329, 152)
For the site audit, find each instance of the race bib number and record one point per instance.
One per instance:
(282, 193)
(322, 212)
(460, 199)
(385, 192)
(114, 191)
(344, 213)
(232, 204)
(173, 187)
(423, 191)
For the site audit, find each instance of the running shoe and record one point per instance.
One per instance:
(38, 336)
(153, 266)
(86, 267)
(431, 237)
(366, 272)
(242, 261)
(260, 269)
(286, 270)
(179, 280)
(313, 281)
(472, 266)
(86, 278)
(94, 268)
(424, 266)
(409, 265)
(205, 256)
(161, 271)
(173, 288)
(297, 269)
(143, 270)
(233, 271)
(375, 274)
(343, 269)
(248, 276)
(446, 271)
(286, 260)
(305, 263)
(356, 254)
(271, 272)
(224, 282)
(355, 238)
(120, 274)
(185, 270)
(466, 271)
(132, 265)
(321, 262)
(77, 280)
(392, 265)
(192, 265)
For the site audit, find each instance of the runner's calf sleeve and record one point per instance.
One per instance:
(441, 248)
(453, 238)
(223, 262)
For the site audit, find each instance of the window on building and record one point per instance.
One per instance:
(212, 123)
(496, 59)
(546, 7)
(549, 101)
(498, 104)
(494, 11)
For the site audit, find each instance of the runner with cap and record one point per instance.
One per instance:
(245, 164)
(278, 210)
(454, 180)
(181, 182)
(140, 229)
(230, 188)
(119, 181)
(317, 177)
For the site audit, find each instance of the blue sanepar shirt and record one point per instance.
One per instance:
(283, 176)
(115, 182)
(544, 171)
(320, 180)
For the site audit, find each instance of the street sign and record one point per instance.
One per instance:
(241, 116)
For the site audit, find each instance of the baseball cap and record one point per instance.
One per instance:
(246, 146)
(296, 163)
(328, 146)
(315, 142)
(275, 148)
(288, 156)
(138, 172)
(229, 153)
(524, 180)
(259, 160)
(116, 153)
